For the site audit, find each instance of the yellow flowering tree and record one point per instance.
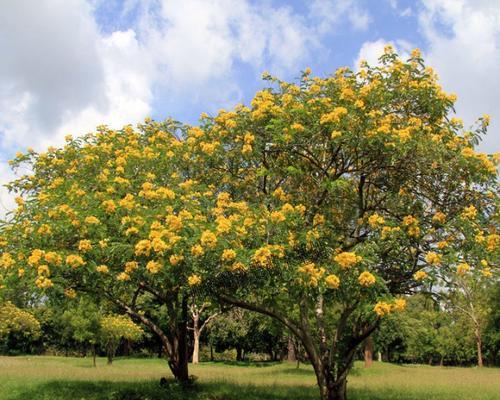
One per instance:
(355, 189)
(15, 321)
(116, 215)
(115, 328)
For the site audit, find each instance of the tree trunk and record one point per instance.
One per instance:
(368, 351)
(196, 335)
(93, 355)
(379, 356)
(479, 343)
(291, 356)
(175, 343)
(238, 354)
(196, 349)
(109, 354)
(330, 389)
(179, 358)
(211, 352)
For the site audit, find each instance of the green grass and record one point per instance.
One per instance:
(58, 378)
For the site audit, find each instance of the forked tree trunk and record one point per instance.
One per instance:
(196, 313)
(368, 351)
(175, 343)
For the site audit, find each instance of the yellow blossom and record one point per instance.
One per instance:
(194, 280)
(433, 258)
(84, 245)
(420, 275)
(382, 308)
(399, 304)
(376, 220)
(228, 255)
(103, 269)
(366, 279)
(463, 268)
(439, 217)
(153, 267)
(123, 276)
(197, 250)
(208, 239)
(91, 220)
(469, 212)
(332, 281)
(347, 259)
(74, 261)
(143, 247)
(175, 259)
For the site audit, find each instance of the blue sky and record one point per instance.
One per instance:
(69, 65)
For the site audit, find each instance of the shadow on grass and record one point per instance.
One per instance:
(84, 390)
(257, 364)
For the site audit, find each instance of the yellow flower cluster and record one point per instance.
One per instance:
(311, 273)
(469, 212)
(332, 281)
(376, 220)
(347, 259)
(439, 217)
(433, 258)
(333, 116)
(382, 308)
(208, 239)
(420, 275)
(153, 267)
(74, 261)
(194, 280)
(366, 279)
(463, 268)
(103, 269)
(85, 245)
(228, 255)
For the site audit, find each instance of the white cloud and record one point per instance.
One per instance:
(50, 64)
(330, 13)
(61, 74)
(371, 51)
(464, 49)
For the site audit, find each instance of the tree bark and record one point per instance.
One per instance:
(368, 352)
(175, 343)
(479, 344)
(291, 356)
(331, 376)
(110, 352)
(93, 355)
(196, 347)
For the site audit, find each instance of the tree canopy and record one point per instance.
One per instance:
(321, 205)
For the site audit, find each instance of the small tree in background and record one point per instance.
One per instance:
(114, 328)
(16, 324)
(82, 324)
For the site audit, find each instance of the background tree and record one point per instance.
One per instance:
(82, 323)
(18, 329)
(114, 328)
(201, 316)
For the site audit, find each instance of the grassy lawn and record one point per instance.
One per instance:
(58, 378)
